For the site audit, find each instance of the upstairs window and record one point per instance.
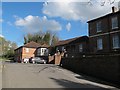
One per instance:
(90, 27)
(99, 44)
(80, 48)
(114, 22)
(27, 50)
(116, 42)
(99, 26)
(73, 48)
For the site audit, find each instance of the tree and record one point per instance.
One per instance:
(7, 48)
(42, 38)
(25, 40)
(55, 39)
(47, 38)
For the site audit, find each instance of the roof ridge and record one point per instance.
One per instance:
(68, 40)
(71, 38)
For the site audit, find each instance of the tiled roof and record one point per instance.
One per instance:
(35, 45)
(110, 14)
(32, 44)
(63, 42)
(44, 45)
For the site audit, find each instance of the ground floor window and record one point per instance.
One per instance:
(116, 42)
(57, 49)
(99, 44)
(62, 48)
(80, 48)
(39, 52)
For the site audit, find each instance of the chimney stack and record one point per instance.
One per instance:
(114, 9)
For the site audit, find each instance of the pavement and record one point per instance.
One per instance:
(18, 75)
(1, 74)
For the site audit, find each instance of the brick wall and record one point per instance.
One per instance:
(55, 59)
(105, 26)
(104, 67)
(106, 34)
(51, 59)
(29, 54)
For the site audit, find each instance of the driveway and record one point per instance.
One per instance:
(18, 75)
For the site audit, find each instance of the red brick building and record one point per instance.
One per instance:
(30, 50)
(104, 33)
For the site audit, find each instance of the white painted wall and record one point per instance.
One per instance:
(42, 52)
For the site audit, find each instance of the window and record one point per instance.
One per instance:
(62, 48)
(42, 50)
(27, 49)
(114, 23)
(80, 48)
(56, 48)
(99, 44)
(73, 48)
(116, 42)
(46, 52)
(99, 27)
(38, 51)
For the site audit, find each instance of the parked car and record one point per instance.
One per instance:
(38, 60)
(26, 60)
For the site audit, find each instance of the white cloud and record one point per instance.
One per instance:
(77, 10)
(35, 23)
(68, 26)
(1, 20)
(1, 36)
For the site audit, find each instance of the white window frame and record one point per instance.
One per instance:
(116, 41)
(99, 44)
(114, 21)
(80, 47)
(99, 26)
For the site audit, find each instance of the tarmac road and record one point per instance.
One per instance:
(18, 75)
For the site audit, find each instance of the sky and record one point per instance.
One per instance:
(67, 19)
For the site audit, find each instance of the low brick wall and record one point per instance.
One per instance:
(104, 67)
(55, 59)
(51, 59)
